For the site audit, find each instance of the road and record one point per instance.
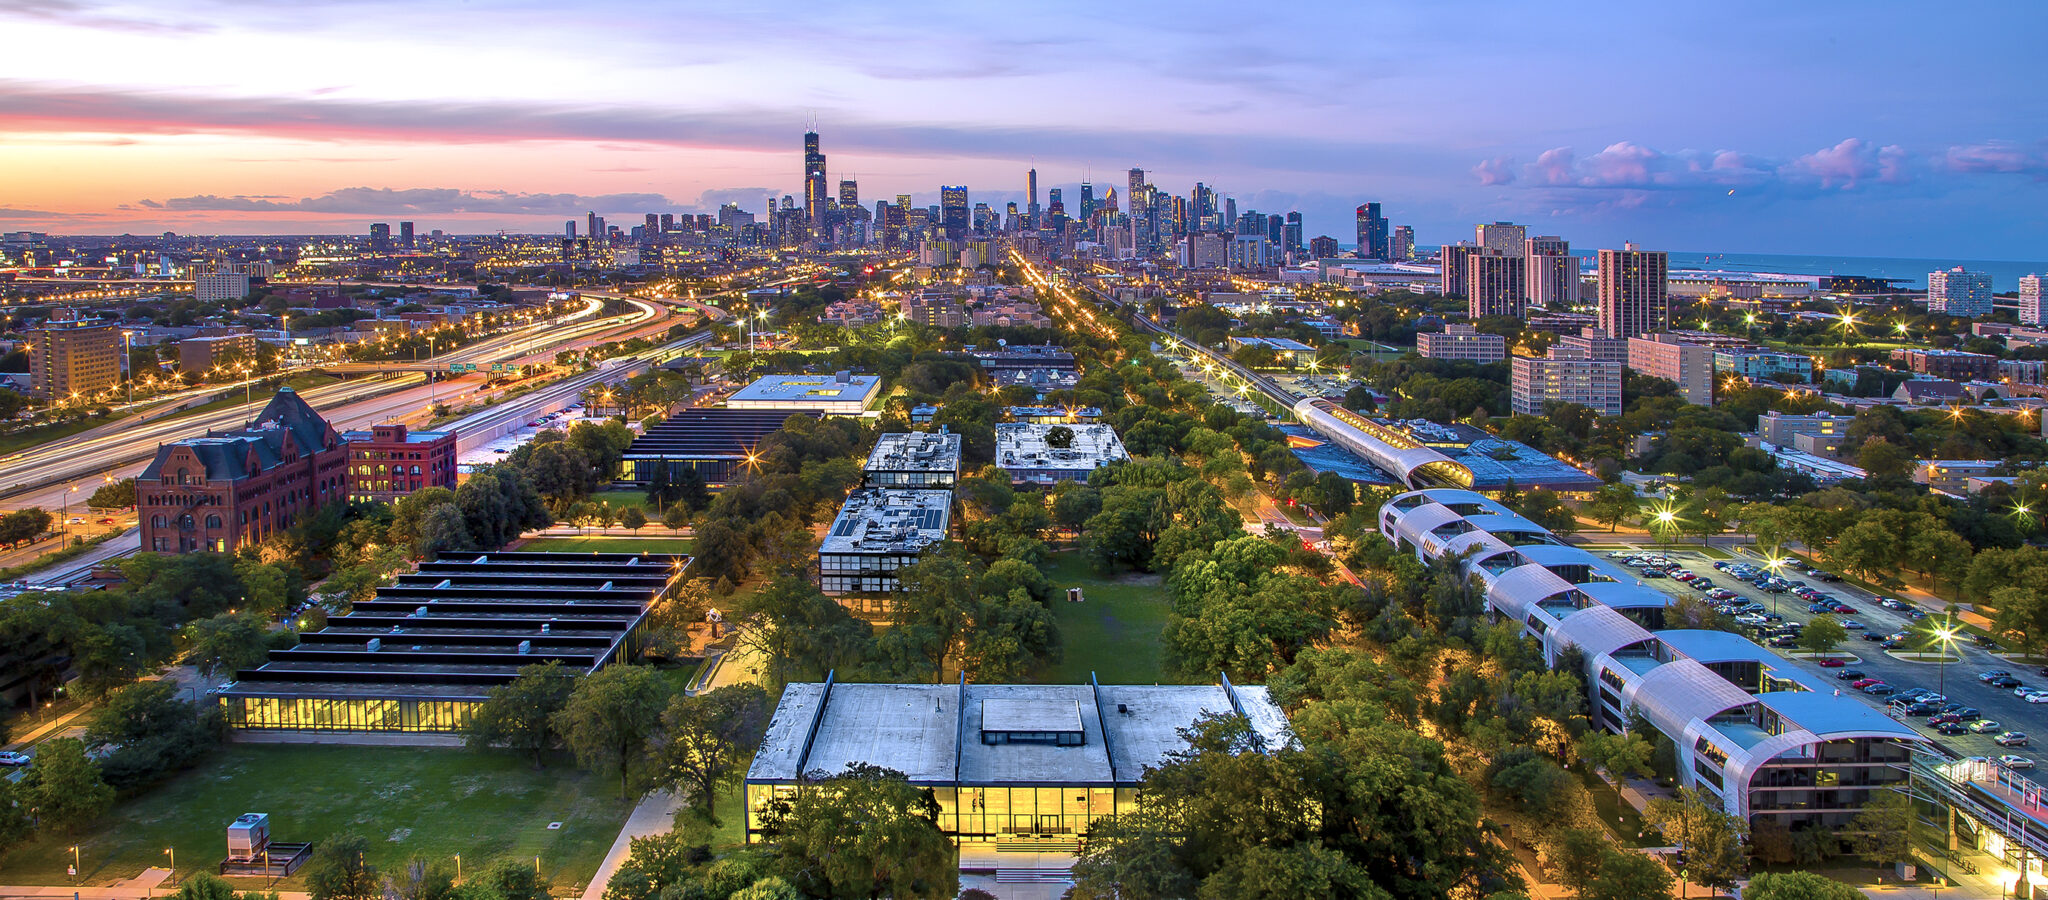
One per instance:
(1958, 680)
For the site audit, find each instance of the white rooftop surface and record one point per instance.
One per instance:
(1031, 763)
(1021, 445)
(782, 746)
(907, 727)
(819, 388)
(915, 452)
(1150, 727)
(1030, 714)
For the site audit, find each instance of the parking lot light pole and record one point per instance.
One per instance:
(1943, 637)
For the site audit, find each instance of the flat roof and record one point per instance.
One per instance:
(1022, 445)
(1825, 714)
(915, 451)
(833, 389)
(711, 433)
(1030, 714)
(889, 520)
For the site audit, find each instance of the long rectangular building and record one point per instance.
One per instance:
(425, 651)
(718, 443)
(1749, 730)
(877, 532)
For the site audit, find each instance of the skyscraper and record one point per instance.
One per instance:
(1401, 247)
(380, 237)
(953, 210)
(1496, 284)
(1553, 272)
(816, 200)
(668, 222)
(405, 238)
(849, 194)
(590, 226)
(569, 228)
(1290, 233)
(1031, 190)
(1456, 259)
(1087, 202)
(1372, 232)
(1959, 292)
(1633, 298)
(1506, 237)
(653, 226)
(2031, 298)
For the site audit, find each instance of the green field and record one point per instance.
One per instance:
(1114, 632)
(409, 801)
(621, 499)
(611, 544)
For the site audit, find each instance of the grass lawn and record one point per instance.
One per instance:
(1619, 817)
(408, 801)
(620, 499)
(1114, 633)
(610, 544)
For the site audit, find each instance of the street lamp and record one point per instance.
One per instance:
(128, 343)
(1943, 637)
(172, 852)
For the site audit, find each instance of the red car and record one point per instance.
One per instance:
(1830, 663)
(1860, 685)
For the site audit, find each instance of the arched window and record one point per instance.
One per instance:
(185, 522)
(415, 470)
(213, 521)
(157, 521)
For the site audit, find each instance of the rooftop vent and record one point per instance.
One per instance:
(376, 644)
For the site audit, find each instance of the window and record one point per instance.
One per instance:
(213, 521)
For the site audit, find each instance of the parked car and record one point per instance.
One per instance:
(1985, 642)
(1880, 689)
(1951, 728)
(1887, 643)
(13, 759)
(2011, 739)
(2006, 682)
(1846, 674)
(2022, 691)
(1985, 726)
(1862, 683)
(1994, 673)
(1830, 662)
(1967, 713)
(2016, 762)
(1845, 609)
(1947, 718)
(1852, 625)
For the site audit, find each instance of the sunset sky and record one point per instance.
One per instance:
(1864, 128)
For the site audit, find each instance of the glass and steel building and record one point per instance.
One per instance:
(425, 651)
(1014, 767)
(877, 532)
(914, 460)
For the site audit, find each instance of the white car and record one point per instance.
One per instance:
(2037, 697)
(12, 759)
(2016, 762)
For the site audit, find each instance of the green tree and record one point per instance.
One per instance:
(866, 833)
(421, 880)
(341, 870)
(520, 714)
(633, 518)
(16, 826)
(1627, 875)
(1574, 857)
(64, 787)
(1710, 837)
(1884, 461)
(1798, 886)
(706, 741)
(610, 716)
(1880, 830)
(1622, 755)
(226, 642)
(1822, 634)
(114, 495)
(510, 879)
(801, 633)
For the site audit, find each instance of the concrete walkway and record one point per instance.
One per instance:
(656, 814)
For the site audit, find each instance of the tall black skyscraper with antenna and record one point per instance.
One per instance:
(816, 200)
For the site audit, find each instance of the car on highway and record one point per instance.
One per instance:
(12, 759)
(1951, 728)
(2016, 762)
(2011, 739)
(1985, 726)
(1830, 662)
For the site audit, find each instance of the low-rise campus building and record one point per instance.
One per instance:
(1014, 767)
(1747, 728)
(718, 443)
(914, 460)
(236, 488)
(878, 531)
(1045, 455)
(390, 461)
(425, 651)
(838, 394)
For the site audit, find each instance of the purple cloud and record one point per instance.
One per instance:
(1498, 170)
(1999, 159)
(363, 201)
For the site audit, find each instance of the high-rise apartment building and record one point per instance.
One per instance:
(1496, 284)
(1567, 375)
(1290, 233)
(592, 225)
(666, 223)
(1322, 246)
(1456, 260)
(69, 356)
(817, 202)
(1462, 342)
(2030, 299)
(1959, 292)
(1633, 298)
(405, 238)
(1553, 272)
(569, 228)
(1671, 357)
(1506, 237)
(380, 237)
(1372, 232)
(1401, 247)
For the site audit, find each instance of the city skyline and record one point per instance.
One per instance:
(208, 118)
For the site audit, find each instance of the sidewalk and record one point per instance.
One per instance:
(656, 814)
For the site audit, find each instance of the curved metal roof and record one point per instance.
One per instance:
(1414, 464)
(1598, 631)
(1517, 589)
(1674, 694)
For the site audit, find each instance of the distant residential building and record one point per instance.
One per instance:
(1761, 364)
(1372, 233)
(1455, 260)
(388, 462)
(198, 354)
(2023, 371)
(1950, 475)
(238, 488)
(1506, 237)
(1597, 344)
(1322, 247)
(1634, 292)
(1779, 428)
(1954, 365)
(220, 286)
(1496, 283)
(1959, 292)
(1402, 245)
(1667, 356)
(2031, 288)
(1929, 392)
(1462, 342)
(1553, 272)
(73, 357)
(1567, 375)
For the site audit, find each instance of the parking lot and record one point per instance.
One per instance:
(1960, 683)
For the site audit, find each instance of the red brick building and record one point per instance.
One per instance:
(388, 462)
(236, 488)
